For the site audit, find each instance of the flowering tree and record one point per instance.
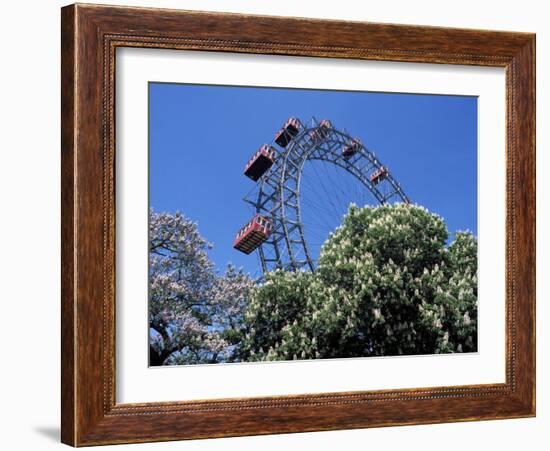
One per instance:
(386, 284)
(194, 314)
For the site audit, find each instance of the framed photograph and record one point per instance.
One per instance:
(279, 225)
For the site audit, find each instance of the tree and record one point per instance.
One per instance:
(194, 313)
(386, 284)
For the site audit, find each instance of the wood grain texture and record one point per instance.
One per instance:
(67, 226)
(90, 36)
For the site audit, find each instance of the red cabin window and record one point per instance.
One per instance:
(290, 130)
(351, 148)
(254, 233)
(379, 175)
(260, 162)
(322, 131)
(325, 124)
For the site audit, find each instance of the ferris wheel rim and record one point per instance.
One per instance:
(275, 187)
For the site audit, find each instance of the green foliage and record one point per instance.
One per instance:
(386, 284)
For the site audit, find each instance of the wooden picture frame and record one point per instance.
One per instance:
(90, 36)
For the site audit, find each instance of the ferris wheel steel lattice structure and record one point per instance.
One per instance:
(277, 230)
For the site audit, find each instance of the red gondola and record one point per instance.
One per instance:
(254, 233)
(379, 175)
(260, 162)
(351, 148)
(322, 131)
(289, 131)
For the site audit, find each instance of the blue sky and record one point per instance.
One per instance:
(200, 138)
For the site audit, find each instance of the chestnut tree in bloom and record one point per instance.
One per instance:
(195, 314)
(386, 284)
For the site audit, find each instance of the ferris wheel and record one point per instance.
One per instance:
(305, 181)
